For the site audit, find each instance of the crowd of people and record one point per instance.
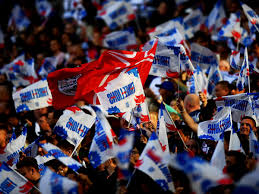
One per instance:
(72, 43)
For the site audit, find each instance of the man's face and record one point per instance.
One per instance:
(245, 126)
(220, 91)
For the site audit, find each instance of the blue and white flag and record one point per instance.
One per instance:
(239, 103)
(116, 13)
(198, 82)
(251, 15)
(102, 144)
(168, 28)
(243, 78)
(234, 142)
(202, 175)
(10, 154)
(120, 40)
(167, 59)
(73, 125)
(49, 65)
(192, 23)
(218, 158)
(253, 144)
(202, 56)
(32, 149)
(12, 182)
(213, 16)
(74, 9)
(232, 27)
(122, 151)
(33, 97)
(234, 60)
(41, 160)
(61, 156)
(20, 71)
(162, 129)
(43, 7)
(151, 163)
(214, 76)
(123, 93)
(18, 18)
(53, 183)
(212, 129)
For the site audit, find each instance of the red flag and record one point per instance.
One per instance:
(81, 83)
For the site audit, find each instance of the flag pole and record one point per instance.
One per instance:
(247, 69)
(176, 130)
(24, 178)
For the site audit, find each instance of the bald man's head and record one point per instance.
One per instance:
(191, 102)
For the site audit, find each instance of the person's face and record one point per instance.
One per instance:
(220, 91)
(3, 138)
(191, 144)
(44, 125)
(134, 156)
(245, 126)
(54, 46)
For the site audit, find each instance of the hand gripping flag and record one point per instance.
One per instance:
(43, 7)
(243, 78)
(232, 27)
(53, 183)
(235, 60)
(212, 129)
(122, 152)
(116, 13)
(83, 82)
(102, 144)
(251, 15)
(218, 158)
(10, 154)
(162, 130)
(12, 182)
(73, 125)
(61, 156)
(121, 40)
(18, 19)
(151, 163)
(201, 174)
(167, 59)
(33, 97)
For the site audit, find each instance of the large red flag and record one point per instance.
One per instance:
(81, 83)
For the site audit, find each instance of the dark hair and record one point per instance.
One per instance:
(28, 162)
(248, 117)
(225, 85)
